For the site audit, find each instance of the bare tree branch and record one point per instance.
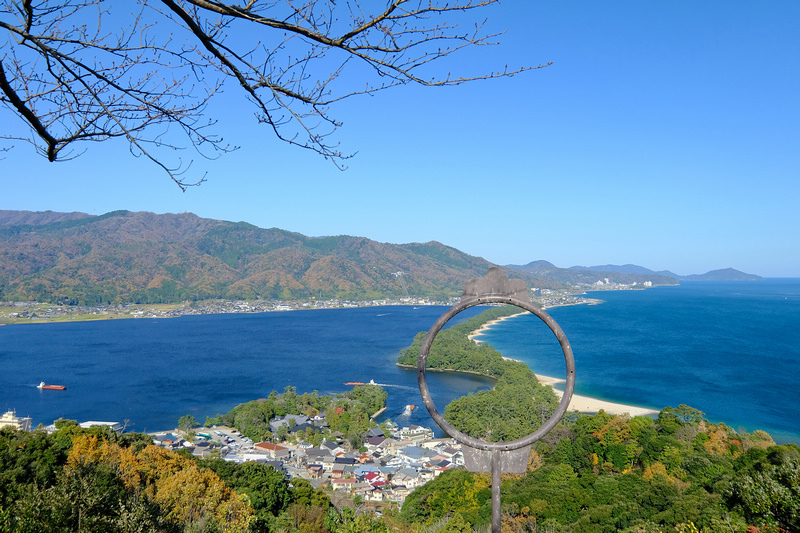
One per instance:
(71, 71)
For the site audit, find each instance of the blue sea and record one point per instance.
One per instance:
(731, 350)
(150, 372)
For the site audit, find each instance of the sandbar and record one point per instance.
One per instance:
(481, 330)
(585, 404)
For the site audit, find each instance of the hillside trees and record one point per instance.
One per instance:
(453, 350)
(267, 489)
(95, 480)
(617, 473)
(769, 488)
(70, 71)
(514, 408)
(348, 413)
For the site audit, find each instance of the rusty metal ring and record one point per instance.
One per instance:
(479, 443)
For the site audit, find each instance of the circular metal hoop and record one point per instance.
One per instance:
(479, 443)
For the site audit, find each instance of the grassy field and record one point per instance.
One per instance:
(37, 313)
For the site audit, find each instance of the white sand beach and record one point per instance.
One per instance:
(584, 404)
(481, 330)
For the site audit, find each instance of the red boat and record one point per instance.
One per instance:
(43, 386)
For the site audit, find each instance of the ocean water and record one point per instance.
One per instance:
(150, 372)
(731, 350)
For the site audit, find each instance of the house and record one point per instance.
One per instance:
(203, 449)
(374, 432)
(374, 494)
(290, 421)
(332, 447)
(308, 428)
(392, 461)
(399, 493)
(272, 450)
(414, 433)
(416, 457)
(114, 426)
(374, 479)
(315, 453)
(314, 471)
(362, 470)
(438, 443)
(407, 477)
(344, 460)
(374, 442)
(338, 483)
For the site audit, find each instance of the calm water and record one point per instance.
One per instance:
(153, 371)
(731, 350)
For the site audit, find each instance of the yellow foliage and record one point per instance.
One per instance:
(617, 430)
(89, 449)
(658, 469)
(169, 480)
(235, 513)
(535, 461)
(717, 443)
(688, 527)
(84, 451)
(655, 469)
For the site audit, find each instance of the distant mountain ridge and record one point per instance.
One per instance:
(725, 274)
(140, 257)
(575, 276)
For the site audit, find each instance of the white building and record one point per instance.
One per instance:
(10, 419)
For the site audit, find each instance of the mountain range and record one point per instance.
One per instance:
(723, 274)
(141, 257)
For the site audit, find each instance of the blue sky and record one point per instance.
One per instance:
(665, 134)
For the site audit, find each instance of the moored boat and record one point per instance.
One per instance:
(371, 382)
(44, 386)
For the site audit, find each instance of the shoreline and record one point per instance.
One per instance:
(486, 326)
(583, 404)
(588, 405)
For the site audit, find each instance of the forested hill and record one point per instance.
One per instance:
(139, 257)
(144, 257)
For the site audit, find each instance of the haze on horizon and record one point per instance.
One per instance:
(663, 136)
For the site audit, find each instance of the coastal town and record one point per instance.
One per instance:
(392, 462)
(37, 312)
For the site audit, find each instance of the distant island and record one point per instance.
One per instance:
(123, 257)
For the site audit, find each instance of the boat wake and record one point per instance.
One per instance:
(408, 410)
